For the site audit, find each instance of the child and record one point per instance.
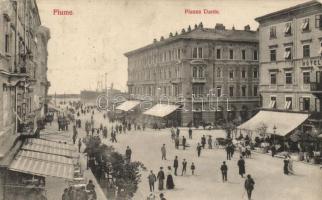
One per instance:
(193, 168)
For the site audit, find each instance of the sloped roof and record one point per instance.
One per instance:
(288, 10)
(205, 34)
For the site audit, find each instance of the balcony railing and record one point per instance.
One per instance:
(199, 80)
(316, 87)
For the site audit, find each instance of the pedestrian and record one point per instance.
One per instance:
(169, 182)
(173, 134)
(176, 142)
(128, 153)
(184, 167)
(249, 186)
(162, 197)
(209, 142)
(228, 152)
(74, 138)
(175, 165)
(224, 170)
(203, 141)
(193, 167)
(184, 140)
(273, 150)
(190, 133)
(65, 195)
(105, 132)
(178, 132)
(90, 186)
(79, 145)
(113, 136)
(199, 149)
(163, 152)
(286, 162)
(152, 179)
(160, 178)
(93, 130)
(290, 165)
(151, 197)
(241, 166)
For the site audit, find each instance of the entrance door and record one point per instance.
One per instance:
(197, 118)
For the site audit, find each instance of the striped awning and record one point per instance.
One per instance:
(41, 167)
(49, 147)
(45, 157)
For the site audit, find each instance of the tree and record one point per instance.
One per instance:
(126, 175)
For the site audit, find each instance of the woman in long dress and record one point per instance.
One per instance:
(170, 183)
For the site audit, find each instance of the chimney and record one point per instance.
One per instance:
(189, 28)
(154, 40)
(219, 27)
(247, 28)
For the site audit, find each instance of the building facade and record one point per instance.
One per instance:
(211, 72)
(290, 60)
(23, 76)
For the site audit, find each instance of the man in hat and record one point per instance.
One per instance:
(160, 178)
(224, 170)
(249, 186)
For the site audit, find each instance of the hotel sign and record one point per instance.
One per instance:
(312, 62)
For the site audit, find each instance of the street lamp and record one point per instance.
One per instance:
(274, 129)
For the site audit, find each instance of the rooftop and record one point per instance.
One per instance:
(219, 33)
(289, 10)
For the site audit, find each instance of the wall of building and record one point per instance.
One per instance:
(297, 64)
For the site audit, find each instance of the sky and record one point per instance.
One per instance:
(92, 41)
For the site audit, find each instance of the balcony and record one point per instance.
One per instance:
(199, 80)
(316, 87)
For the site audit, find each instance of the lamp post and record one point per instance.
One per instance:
(274, 129)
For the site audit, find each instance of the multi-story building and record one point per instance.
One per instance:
(290, 44)
(23, 76)
(211, 72)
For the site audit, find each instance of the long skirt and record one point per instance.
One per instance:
(170, 183)
(160, 184)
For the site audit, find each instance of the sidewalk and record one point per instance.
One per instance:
(51, 133)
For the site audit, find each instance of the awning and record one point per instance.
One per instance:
(46, 157)
(49, 147)
(128, 105)
(54, 108)
(37, 166)
(161, 110)
(285, 122)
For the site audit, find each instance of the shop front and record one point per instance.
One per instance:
(162, 115)
(36, 166)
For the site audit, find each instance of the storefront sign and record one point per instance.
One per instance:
(312, 62)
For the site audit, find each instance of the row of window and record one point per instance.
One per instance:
(174, 90)
(304, 103)
(305, 27)
(289, 78)
(232, 73)
(154, 74)
(197, 52)
(232, 92)
(288, 52)
(154, 58)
